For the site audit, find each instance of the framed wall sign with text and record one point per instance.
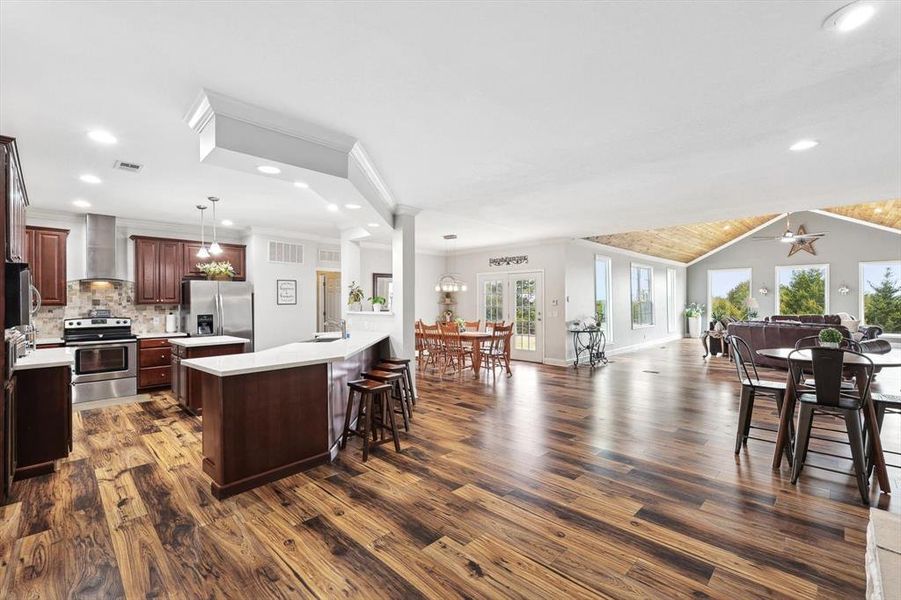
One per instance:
(286, 291)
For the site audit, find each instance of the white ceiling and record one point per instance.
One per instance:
(505, 122)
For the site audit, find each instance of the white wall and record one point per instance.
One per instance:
(429, 267)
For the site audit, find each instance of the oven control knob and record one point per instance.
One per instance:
(78, 322)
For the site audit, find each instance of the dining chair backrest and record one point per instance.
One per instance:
(472, 325)
(813, 341)
(500, 337)
(490, 325)
(741, 353)
(450, 335)
(828, 365)
(431, 337)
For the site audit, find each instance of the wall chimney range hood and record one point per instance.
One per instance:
(100, 248)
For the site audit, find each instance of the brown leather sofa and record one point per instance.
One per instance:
(814, 319)
(776, 334)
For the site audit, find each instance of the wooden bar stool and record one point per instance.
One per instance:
(407, 375)
(374, 405)
(407, 397)
(396, 381)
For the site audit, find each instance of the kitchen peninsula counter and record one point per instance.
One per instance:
(275, 412)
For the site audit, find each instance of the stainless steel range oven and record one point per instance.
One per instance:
(106, 354)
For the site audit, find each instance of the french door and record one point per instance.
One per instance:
(516, 298)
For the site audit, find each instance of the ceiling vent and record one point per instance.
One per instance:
(128, 166)
(285, 252)
(329, 255)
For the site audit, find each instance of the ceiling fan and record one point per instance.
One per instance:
(791, 237)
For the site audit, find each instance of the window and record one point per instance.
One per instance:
(493, 295)
(670, 300)
(602, 295)
(728, 291)
(801, 290)
(642, 296)
(880, 294)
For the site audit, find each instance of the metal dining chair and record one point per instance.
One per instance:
(752, 386)
(813, 341)
(828, 397)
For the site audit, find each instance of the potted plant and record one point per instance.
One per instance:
(717, 315)
(461, 322)
(355, 296)
(217, 271)
(377, 303)
(694, 312)
(830, 338)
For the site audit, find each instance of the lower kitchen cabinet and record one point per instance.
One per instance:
(186, 382)
(42, 401)
(154, 356)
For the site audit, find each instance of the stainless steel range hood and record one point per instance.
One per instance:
(100, 251)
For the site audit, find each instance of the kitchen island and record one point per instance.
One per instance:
(276, 412)
(185, 382)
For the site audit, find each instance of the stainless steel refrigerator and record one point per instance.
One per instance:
(217, 308)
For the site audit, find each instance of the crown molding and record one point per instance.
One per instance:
(406, 209)
(359, 156)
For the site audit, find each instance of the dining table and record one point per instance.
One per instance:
(476, 339)
(857, 366)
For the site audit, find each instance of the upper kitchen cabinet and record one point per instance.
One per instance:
(161, 264)
(157, 270)
(15, 199)
(45, 253)
(233, 253)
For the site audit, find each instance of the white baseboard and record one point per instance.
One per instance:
(557, 362)
(633, 347)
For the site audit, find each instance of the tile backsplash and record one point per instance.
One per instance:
(118, 296)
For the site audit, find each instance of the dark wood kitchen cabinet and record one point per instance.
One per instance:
(154, 358)
(14, 200)
(186, 382)
(157, 272)
(45, 253)
(233, 253)
(43, 412)
(162, 263)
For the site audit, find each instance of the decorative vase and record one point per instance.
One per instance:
(354, 307)
(220, 277)
(694, 326)
(718, 327)
(829, 344)
(376, 308)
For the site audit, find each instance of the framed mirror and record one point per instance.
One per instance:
(383, 285)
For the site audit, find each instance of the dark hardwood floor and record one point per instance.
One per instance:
(551, 484)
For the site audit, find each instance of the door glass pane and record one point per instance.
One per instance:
(493, 300)
(526, 322)
(602, 293)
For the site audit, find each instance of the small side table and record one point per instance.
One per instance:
(593, 341)
(716, 335)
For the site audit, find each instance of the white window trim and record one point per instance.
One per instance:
(710, 286)
(860, 285)
(672, 319)
(777, 308)
(609, 261)
(651, 293)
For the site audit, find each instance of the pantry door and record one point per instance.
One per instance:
(517, 298)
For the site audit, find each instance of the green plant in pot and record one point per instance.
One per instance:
(694, 312)
(219, 271)
(378, 302)
(830, 338)
(355, 296)
(461, 323)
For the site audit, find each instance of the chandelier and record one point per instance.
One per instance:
(450, 282)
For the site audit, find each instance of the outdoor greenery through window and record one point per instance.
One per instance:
(642, 296)
(602, 293)
(801, 290)
(728, 292)
(880, 289)
(494, 301)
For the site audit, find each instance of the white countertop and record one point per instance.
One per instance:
(150, 336)
(46, 358)
(207, 340)
(42, 341)
(298, 354)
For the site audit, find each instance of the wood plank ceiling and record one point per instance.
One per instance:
(684, 243)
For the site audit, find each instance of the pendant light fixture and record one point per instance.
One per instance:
(203, 252)
(450, 281)
(215, 248)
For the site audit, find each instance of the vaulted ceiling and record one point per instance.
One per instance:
(685, 243)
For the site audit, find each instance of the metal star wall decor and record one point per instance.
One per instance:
(804, 243)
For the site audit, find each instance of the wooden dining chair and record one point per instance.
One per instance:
(498, 353)
(431, 338)
(752, 387)
(472, 325)
(455, 352)
(829, 398)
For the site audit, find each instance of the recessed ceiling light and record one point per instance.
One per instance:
(332, 207)
(727, 227)
(269, 170)
(88, 178)
(227, 222)
(850, 16)
(878, 210)
(352, 206)
(102, 137)
(302, 185)
(81, 203)
(802, 145)
(372, 224)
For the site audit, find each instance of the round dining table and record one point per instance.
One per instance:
(857, 365)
